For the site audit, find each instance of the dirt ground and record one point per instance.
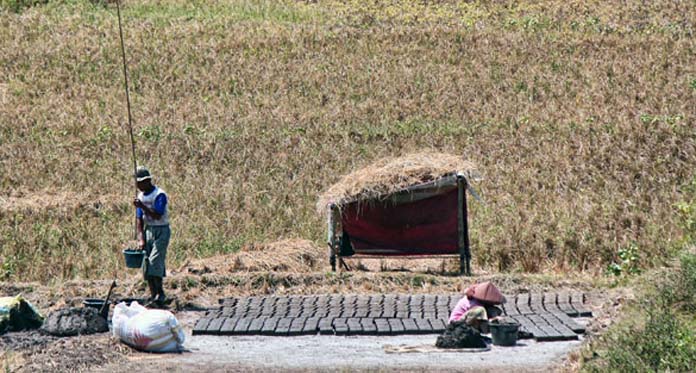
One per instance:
(329, 353)
(32, 351)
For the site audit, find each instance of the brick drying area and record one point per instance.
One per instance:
(545, 316)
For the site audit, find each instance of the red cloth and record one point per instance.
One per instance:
(424, 227)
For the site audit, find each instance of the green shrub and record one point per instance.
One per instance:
(661, 336)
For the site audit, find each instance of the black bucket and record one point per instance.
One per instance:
(504, 334)
(97, 304)
(134, 258)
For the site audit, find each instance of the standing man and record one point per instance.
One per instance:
(153, 232)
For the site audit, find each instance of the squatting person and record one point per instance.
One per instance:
(153, 232)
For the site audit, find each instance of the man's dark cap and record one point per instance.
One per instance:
(142, 174)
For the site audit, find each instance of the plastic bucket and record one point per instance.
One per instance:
(134, 258)
(504, 334)
(97, 304)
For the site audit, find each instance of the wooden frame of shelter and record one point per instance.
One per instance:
(441, 193)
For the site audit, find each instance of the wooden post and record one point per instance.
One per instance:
(467, 244)
(332, 236)
(463, 228)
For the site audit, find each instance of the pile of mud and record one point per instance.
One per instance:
(460, 335)
(74, 321)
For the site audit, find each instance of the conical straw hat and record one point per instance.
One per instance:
(485, 292)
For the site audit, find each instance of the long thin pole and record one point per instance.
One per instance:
(130, 120)
(125, 79)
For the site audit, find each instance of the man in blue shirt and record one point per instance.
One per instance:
(153, 232)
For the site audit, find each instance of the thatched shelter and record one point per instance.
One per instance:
(413, 206)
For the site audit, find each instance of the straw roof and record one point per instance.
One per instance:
(391, 175)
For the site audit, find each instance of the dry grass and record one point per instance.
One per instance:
(290, 255)
(391, 175)
(579, 114)
(55, 200)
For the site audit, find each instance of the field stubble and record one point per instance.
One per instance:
(584, 131)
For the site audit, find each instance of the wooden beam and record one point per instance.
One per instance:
(460, 225)
(331, 239)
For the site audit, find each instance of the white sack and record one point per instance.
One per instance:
(147, 330)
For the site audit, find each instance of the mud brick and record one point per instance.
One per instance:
(309, 312)
(354, 326)
(297, 326)
(410, 326)
(563, 331)
(283, 326)
(227, 327)
(228, 302)
(350, 299)
(213, 314)
(228, 311)
(242, 325)
(429, 299)
(442, 300)
(295, 300)
(267, 311)
(309, 301)
(382, 326)
(335, 301)
(438, 325)
(529, 326)
(311, 325)
(550, 304)
(340, 325)
(522, 302)
(511, 308)
(256, 301)
(325, 326)
(404, 300)
(377, 299)
(577, 300)
(269, 326)
(424, 326)
(256, 325)
(569, 322)
(548, 332)
(348, 312)
(368, 325)
(563, 302)
(416, 300)
(215, 325)
(536, 301)
(253, 314)
(243, 302)
(294, 313)
(397, 327)
(201, 326)
(282, 300)
(281, 311)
